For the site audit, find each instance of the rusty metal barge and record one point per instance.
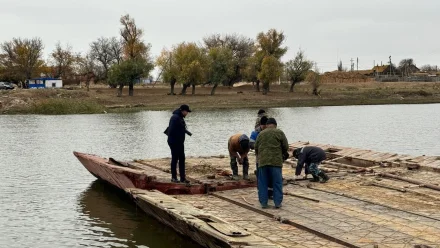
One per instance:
(373, 199)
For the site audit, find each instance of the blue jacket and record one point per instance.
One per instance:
(253, 138)
(177, 128)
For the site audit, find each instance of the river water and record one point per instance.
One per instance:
(48, 199)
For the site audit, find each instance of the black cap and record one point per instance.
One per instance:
(263, 120)
(271, 121)
(185, 107)
(261, 111)
(296, 152)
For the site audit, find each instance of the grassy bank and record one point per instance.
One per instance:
(102, 99)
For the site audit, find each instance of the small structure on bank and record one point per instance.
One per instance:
(44, 82)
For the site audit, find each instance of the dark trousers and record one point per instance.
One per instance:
(234, 166)
(177, 154)
(265, 174)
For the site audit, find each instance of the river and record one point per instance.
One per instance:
(48, 199)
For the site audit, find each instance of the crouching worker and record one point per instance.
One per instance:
(311, 156)
(238, 146)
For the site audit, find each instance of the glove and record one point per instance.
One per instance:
(189, 133)
(285, 156)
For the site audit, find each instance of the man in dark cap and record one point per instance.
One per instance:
(238, 146)
(311, 156)
(271, 149)
(176, 138)
(261, 113)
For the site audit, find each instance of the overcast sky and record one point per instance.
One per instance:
(327, 30)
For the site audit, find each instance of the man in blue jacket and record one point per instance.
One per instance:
(176, 138)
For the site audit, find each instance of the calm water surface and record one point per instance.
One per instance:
(47, 198)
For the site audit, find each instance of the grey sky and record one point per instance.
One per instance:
(326, 30)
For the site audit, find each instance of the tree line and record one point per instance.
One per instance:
(221, 59)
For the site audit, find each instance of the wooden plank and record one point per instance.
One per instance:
(195, 223)
(228, 229)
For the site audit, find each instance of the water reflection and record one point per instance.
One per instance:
(112, 218)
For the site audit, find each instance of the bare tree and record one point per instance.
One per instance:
(100, 50)
(429, 68)
(340, 68)
(406, 67)
(297, 69)
(116, 49)
(63, 59)
(87, 69)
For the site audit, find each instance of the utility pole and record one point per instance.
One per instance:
(391, 66)
(352, 64)
(357, 64)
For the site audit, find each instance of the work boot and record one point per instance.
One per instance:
(174, 180)
(235, 177)
(315, 179)
(245, 177)
(324, 177)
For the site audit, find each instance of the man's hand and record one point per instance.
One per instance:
(285, 156)
(240, 161)
(293, 166)
(189, 133)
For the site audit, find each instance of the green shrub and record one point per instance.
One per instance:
(66, 106)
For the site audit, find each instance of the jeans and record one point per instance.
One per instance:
(269, 184)
(265, 174)
(177, 154)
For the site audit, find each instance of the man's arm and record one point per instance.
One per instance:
(300, 164)
(257, 144)
(284, 146)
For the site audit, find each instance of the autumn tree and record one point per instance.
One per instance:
(269, 72)
(192, 63)
(168, 68)
(134, 48)
(221, 66)
(106, 51)
(314, 78)
(63, 60)
(269, 48)
(297, 69)
(22, 58)
(128, 72)
(241, 48)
